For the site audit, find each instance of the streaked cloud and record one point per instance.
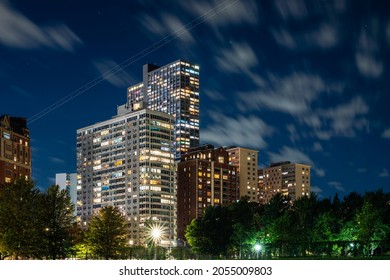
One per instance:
(337, 186)
(300, 95)
(317, 147)
(17, 31)
(368, 58)
(290, 154)
(214, 95)
(386, 133)
(291, 9)
(362, 170)
(113, 73)
(384, 173)
(316, 189)
(244, 131)
(233, 13)
(292, 94)
(319, 172)
(20, 91)
(56, 160)
(325, 36)
(240, 58)
(292, 130)
(346, 119)
(166, 24)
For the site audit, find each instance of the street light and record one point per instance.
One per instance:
(155, 234)
(257, 249)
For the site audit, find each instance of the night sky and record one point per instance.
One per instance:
(305, 81)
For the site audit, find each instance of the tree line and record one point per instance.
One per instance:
(36, 225)
(41, 225)
(355, 226)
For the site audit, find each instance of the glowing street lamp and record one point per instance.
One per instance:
(257, 249)
(155, 234)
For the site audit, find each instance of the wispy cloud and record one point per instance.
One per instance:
(325, 36)
(292, 9)
(51, 180)
(319, 172)
(315, 189)
(298, 94)
(20, 91)
(120, 79)
(292, 130)
(214, 94)
(337, 186)
(290, 154)
(386, 133)
(226, 15)
(346, 119)
(244, 131)
(317, 147)
(384, 173)
(291, 94)
(241, 58)
(165, 24)
(367, 56)
(362, 170)
(56, 160)
(17, 31)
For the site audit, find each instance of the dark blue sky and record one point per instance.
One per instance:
(306, 81)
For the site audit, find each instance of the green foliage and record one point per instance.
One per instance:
(356, 226)
(107, 233)
(21, 224)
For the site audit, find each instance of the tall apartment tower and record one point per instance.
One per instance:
(290, 179)
(172, 89)
(128, 162)
(246, 161)
(204, 178)
(68, 182)
(15, 151)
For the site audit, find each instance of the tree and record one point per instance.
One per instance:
(211, 233)
(245, 224)
(58, 219)
(370, 228)
(107, 233)
(21, 228)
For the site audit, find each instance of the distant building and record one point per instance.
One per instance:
(246, 161)
(68, 182)
(15, 151)
(204, 178)
(172, 89)
(292, 179)
(128, 162)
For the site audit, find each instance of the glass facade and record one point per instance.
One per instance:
(172, 89)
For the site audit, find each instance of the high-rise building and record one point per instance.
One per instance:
(68, 182)
(128, 162)
(290, 179)
(246, 161)
(172, 89)
(15, 151)
(204, 178)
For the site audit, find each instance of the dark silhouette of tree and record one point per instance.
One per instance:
(210, 234)
(58, 220)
